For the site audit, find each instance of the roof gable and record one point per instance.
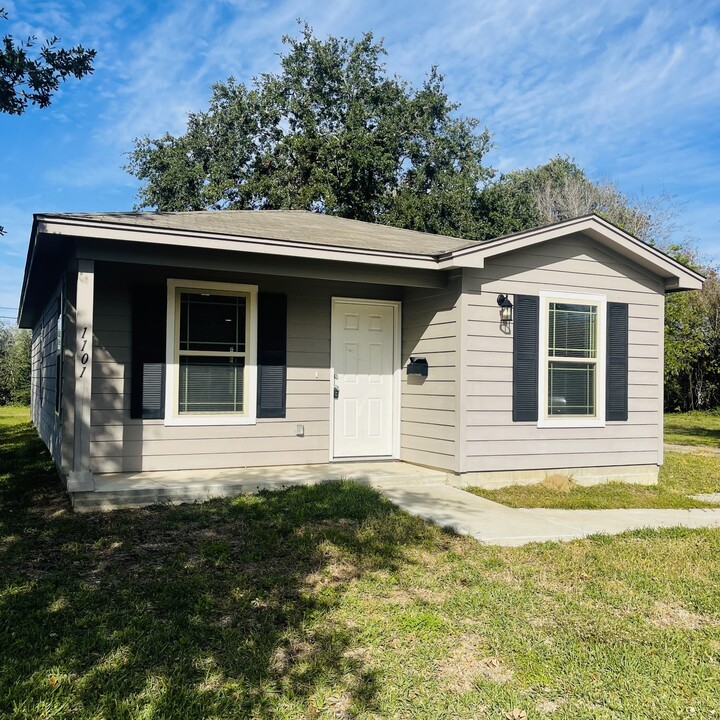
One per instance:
(674, 274)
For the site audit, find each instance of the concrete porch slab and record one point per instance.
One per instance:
(115, 491)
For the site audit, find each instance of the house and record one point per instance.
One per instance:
(235, 339)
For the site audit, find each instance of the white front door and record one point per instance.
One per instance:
(364, 364)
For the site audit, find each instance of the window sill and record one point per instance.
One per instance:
(570, 422)
(208, 420)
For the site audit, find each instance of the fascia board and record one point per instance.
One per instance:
(26, 276)
(235, 244)
(471, 260)
(674, 274)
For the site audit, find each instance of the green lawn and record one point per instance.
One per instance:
(693, 428)
(328, 602)
(682, 475)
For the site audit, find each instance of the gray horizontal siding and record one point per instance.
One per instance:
(43, 380)
(114, 418)
(211, 461)
(583, 253)
(493, 442)
(562, 459)
(429, 408)
(146, 430)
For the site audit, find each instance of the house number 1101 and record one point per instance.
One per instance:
(84, 356)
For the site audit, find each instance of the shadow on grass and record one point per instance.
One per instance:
(680, 434)
(221, 609)
(700, 427)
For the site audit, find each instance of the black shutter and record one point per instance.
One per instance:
(616, 383)
(272, 355)
(149, 317)
(526, 332)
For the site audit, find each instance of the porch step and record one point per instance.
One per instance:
(133, 490)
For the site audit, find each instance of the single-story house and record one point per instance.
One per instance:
(239, 339)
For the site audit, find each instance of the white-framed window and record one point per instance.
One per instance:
(572, 360)
(211, 375)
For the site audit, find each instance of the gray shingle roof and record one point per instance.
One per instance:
(287, 225)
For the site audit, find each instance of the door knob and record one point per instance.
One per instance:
(336, 392)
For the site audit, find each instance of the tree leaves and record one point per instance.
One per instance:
(692, 345)
(330, 132)
(560, 190)
(14, 365)
(33, 80)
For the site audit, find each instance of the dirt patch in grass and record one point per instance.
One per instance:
(549, 706)
(673, 615)
(467, 662)
(292, 653)
(558, 483)
(334, 574)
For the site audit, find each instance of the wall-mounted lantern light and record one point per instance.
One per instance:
(506, 308)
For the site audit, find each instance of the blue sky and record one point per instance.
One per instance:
(630, 89)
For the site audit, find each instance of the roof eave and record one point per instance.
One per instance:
(57, 225)
(22, 320)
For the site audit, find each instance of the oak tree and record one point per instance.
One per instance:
(332, 132)
(28, 77)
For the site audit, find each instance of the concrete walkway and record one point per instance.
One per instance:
(708, 497)
(496, 524)
(692, 449)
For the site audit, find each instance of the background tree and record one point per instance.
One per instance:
(331, 132)
(25, 79)
(334, 133)
(692, 341)
(560, 190)
(14, 365)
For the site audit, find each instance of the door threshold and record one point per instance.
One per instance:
(366, 458)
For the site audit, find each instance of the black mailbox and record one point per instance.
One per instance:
(418, 367)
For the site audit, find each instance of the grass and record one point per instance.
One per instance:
(681, 476)
(693, 428)
(329, 602)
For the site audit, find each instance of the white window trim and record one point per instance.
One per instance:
(572, 421)
(172, 375)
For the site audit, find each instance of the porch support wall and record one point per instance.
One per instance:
(80, 477)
